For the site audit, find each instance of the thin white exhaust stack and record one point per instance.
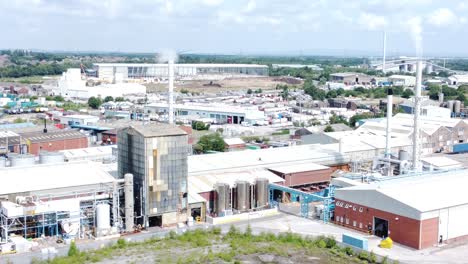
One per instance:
(384, 51)
(417, 111)
(171, 90)
(388, 147)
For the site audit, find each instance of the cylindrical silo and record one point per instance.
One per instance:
(457, 106)
(450, 105)
(261, 192)
(103, 216)
(46, 157)
(129, 202)
(22, 160)
(223, 194)
(2, 162)
(403, 155)
(243, 195)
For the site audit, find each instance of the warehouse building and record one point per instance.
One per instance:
(55, 199)
(54, 140)
(351, 78)
(402, 80)
(309, 176)
(156, 154)
(216, 113)
(115, 71)
(419, 211)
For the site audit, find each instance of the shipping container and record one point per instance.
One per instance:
(460, 148)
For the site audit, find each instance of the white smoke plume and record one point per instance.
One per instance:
(415, 29)
(166, 55)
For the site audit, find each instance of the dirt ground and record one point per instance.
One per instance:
(230, 84)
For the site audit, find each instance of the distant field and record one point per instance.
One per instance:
(211, 246)
(27, 80)
(233, 84)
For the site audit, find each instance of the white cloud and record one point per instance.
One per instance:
(251, 5)
(371, 21)
(442, 17)
(212, 2)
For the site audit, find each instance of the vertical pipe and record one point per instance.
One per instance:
(384, 51)
(389, 123)
(171, 91)
(417, 110)
(129, 202)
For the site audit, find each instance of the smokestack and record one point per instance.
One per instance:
(171, 90)
(388, 149)
(384, 51)
(417, 111)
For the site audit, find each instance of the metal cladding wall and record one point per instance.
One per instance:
(306, 177)
(409, 232)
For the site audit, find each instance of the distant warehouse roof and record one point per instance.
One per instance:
(39, 136)
(199, 65)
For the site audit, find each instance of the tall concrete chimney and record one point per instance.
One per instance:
(417, 111)
(171, 90)
(384, 52)
(388, 147)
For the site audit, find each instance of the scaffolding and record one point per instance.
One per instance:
(326, 196)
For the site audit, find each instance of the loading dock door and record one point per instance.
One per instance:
(380, 227)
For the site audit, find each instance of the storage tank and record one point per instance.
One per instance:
(2, 162)
(403, 155)
(457, 106)
(103, 216)
(450, 105)
(223, 195)
(46, 157)
(243, 195)
(22, 160)
(261, 192)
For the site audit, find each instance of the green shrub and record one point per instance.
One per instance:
(216, 230)
(172, 234)
(248, 231)
(73, 250)
(349, 251)
(384, 260)
(331, 242)
(372, 257)
(363, 255)
(121, 243)
(322, 244)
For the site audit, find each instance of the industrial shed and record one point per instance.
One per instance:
(416, 211)
(303, 174)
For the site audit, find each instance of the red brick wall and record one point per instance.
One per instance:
(402, 230)
(59, 145)
(429, 232)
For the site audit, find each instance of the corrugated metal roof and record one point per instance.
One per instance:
(299, 168)
(51, 176)
(411, 196)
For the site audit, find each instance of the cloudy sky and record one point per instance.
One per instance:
(338, 27)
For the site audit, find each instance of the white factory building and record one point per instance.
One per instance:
(215, 113)
(419, 211)
(458, 79)
(55, 199)
(144, 71)
(71, 85)
(402, 80)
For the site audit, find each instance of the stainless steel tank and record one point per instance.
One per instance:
(403, 155)
(46, 157)
(22, 160)
(457, 106)
(450, 105)
(2, 162)
(242, 196)
(223, 195)
(261, 192)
